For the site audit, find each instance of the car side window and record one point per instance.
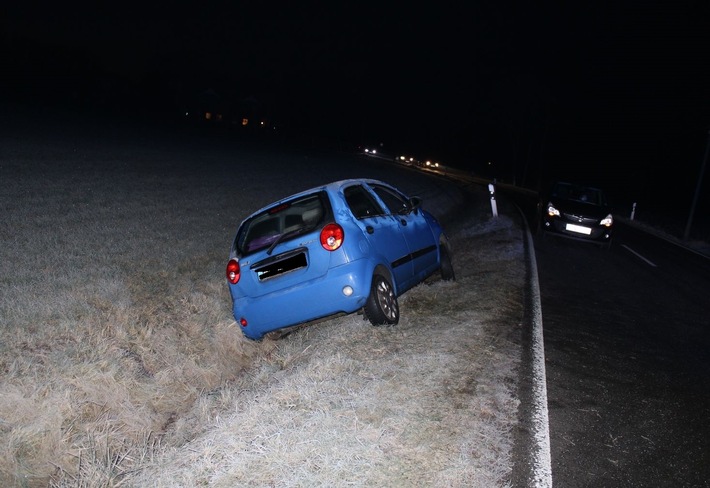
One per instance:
(395, 202)
(361, 203)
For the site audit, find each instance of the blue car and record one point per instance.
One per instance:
(346, 246)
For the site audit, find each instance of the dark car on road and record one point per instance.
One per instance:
(576, 211)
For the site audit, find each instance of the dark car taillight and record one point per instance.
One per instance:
(331, 237)
(233, 271)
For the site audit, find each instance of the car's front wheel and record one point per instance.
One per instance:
(381, 307)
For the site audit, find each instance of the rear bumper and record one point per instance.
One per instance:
(305, 302)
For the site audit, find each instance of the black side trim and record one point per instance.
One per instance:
(413, 256)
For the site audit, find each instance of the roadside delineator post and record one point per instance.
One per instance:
(633, 210)
(494, 206)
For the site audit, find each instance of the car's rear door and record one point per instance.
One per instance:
(420, 239)
(383, 231)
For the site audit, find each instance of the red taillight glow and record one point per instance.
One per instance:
(331, 237)
(233, 271)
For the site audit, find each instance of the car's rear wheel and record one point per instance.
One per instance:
(447, 269)
(381, 307)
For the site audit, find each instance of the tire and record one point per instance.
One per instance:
(381, 307)
(447, 269)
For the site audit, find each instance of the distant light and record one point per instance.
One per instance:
(245, 121)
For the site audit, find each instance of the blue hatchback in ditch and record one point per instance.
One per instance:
(346, 246)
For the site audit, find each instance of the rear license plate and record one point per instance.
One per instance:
(578, 229)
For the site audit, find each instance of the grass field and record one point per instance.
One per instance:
(122, 365)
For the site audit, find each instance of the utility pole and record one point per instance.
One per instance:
(686, 234)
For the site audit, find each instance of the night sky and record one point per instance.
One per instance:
(614, 92)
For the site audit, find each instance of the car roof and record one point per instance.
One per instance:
(332, 187)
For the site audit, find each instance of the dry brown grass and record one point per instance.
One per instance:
(121, 365)
(429, 402)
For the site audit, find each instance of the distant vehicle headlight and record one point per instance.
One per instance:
(552, 211)
(607, 221)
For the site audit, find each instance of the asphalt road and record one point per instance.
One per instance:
(626, 336)
(627, 342)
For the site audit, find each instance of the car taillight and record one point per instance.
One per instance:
(233, 271)
(331, 237)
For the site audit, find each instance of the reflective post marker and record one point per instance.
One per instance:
(492, 192)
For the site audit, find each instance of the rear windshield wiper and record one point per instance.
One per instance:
(281, 237)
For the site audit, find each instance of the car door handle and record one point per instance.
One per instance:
(369, 229)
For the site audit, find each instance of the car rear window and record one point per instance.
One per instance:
(294, 218)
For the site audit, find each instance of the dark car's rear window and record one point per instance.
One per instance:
(294, 218)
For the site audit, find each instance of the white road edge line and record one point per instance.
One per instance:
(638, 255)
(541, 458)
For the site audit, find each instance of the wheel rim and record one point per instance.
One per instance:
(385, 297)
